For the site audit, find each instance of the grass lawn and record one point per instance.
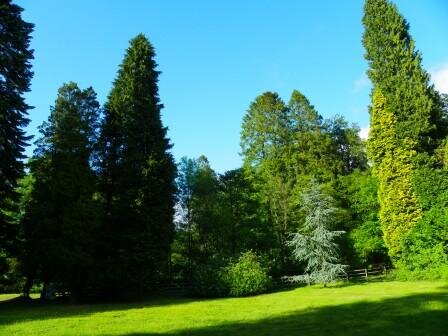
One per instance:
(377, 308)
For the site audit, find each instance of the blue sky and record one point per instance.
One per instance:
(217, 56)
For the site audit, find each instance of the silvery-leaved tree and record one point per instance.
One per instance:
(315, 244)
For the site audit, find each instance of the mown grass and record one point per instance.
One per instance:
(380, 308)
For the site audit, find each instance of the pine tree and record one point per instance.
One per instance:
(315, 243)
(60, 221)
(15, 78)
(405, 118)
(137, 174)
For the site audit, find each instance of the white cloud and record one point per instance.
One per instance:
(364, 132)
(440, 78)
(360, 83)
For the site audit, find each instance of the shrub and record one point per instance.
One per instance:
(208, 281)
(11, 279)
(246, 276)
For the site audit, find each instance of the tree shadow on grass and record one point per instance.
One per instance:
(18, 310)
(422, 315)
(419, 314)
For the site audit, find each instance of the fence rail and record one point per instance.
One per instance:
(364, 273)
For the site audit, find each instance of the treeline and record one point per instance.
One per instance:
(102, 208)
(93, 215)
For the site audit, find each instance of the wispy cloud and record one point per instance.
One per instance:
(364, 132)
(361, 83)
(439, 77)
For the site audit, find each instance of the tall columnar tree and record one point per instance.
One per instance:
(405, 117)
(137, 174)
(15, 77)
(60, 220)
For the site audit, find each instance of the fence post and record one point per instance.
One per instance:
(365, 270)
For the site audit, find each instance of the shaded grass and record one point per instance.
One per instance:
(381, 308)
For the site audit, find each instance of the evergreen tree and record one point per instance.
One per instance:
(265, 143)
(315, 243)
(137, 174)
(309, 144)
(60, 219)
(15, 78)
(264, 132)
(405, 118)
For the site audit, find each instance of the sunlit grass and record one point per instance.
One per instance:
(6, 297)
(380, 308)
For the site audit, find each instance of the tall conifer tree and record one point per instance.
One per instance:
(137, 173)
(15, 77)
(60, 221)
(404, 117)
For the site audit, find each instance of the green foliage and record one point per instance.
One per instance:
(358, 192)
(393, 166)
(137, 175)
(425, 248)
(316, 243)
(59, 215)
(11, 280)
(283, 147)
(15, 79)
(249, 227)
(246, 276)
(407, 119)
(395, 69)
(218, 216)
(264, 129)
(346, 149)
(209, 280)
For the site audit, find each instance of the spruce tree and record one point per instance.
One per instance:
(15, 77)
(404, 115)
(60, 222)
(137, 174)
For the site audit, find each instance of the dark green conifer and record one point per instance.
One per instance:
(137, 174)
(60, 222)
(15, 78)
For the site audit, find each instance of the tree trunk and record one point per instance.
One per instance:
(28, 285)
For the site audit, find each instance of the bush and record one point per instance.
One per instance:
(431, 273)
(246, 276)
(11, 279)
(425, 247)
(208, 281)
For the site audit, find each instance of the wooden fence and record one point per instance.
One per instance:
(365, 273)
